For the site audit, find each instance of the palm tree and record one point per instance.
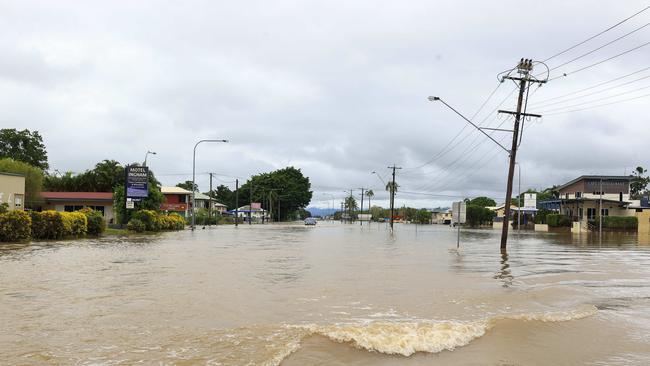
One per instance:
(369, 194)
(389, 185)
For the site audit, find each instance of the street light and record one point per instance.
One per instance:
(146, 155)
(194, 175)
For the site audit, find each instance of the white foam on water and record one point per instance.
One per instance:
(406, 337)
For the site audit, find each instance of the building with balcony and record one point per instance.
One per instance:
(176, 200)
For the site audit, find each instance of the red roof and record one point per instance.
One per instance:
(78, 196)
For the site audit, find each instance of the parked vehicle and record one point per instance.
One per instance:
(310, 221)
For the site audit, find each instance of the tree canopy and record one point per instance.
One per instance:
(639, 183)
(223, 194)
(25, 146)
(481, 202)
(189, 185)
(104, 177)
(287, 187)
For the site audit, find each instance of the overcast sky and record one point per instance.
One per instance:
(336, 88)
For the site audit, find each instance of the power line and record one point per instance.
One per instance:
(598, 34)
(594, 86)
(598, 100)
(600, 62)
(599, 106)
(599, 48)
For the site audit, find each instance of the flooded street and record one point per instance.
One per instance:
(332, 294)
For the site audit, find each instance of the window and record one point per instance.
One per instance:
(591, 213)
(566, 196)
(18, 200)
(578, 194)
(580, 212)
(72, 208)
(620, 196)
(605, 212)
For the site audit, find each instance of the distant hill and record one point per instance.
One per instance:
(315, 211)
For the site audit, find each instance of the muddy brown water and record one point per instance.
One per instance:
(332, 294)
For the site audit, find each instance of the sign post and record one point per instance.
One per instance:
(136, 186)
(459, 216)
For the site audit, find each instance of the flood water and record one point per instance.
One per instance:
(332, 294)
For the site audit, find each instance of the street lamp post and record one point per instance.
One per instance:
(194, 175)
(146, 155)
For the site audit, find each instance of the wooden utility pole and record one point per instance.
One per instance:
(250, 206)
(524, 69)
(361, 209)
(210, 202)
(392, 196)
(236, 202)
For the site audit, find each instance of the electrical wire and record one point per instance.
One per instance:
(600, 62)
(599, 105)
(597, 100)
(599, 48)
(597, 34)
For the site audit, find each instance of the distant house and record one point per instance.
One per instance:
(441, 216)
(257, 214)
(581, 199)
(203, 201)
(12, 190)
(176, 200)
(500, 211)
(75, 201)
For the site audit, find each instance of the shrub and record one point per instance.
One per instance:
(75, 223)
(4, 207)
(557, 220)
(620, 222)
(540, 216)
(136, 225)
(47, 225)
(96, 223)
(150, 219)
(174, 222)
(15, 226)
(477, 215)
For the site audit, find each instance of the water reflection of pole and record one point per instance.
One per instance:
(519, 199)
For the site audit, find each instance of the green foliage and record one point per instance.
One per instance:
(423, 216)
(557, 220)
(25, 146)
(203, 217)
(33, 178)
(104, 177)
(4, 207)
(351, 203)
(541, 216)
(481, 202)
(189, 185)
(224, 195)
(303, 214)
(15, 226)
(620, 222)
(478, 215)
(150, 219)
(136, 225)
(639, 183)
(58, 225)
(96, 223)
(287, 187)
(75, 224)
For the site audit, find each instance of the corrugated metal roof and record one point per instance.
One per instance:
(174, 190)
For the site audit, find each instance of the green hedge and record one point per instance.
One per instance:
(620, 222)
(148, 220)
(541, 216)
(58, 225)
(96, 223)
(557, 220)
(15, 226)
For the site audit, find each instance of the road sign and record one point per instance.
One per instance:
(459, 212)
(530, 201)
(137, 181)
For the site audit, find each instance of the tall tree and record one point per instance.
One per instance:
(288, 187)
(350, 203)
(104, 177)
(639, 183)
(25, 146)
(224, 195)
(189, 185)
(481, 201)
(370, 194)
